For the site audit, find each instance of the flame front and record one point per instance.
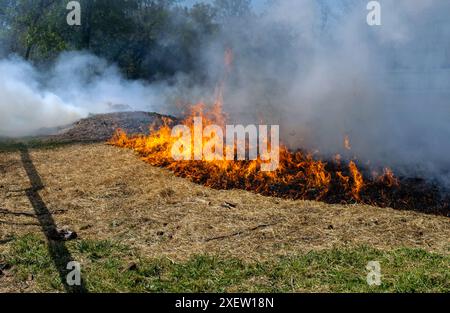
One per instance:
(299, 175)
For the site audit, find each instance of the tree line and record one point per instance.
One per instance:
(147, 39)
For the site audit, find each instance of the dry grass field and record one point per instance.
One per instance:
(106, 194)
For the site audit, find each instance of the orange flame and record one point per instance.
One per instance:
(347, 144)
(358, 181)
(229, 58)
(388, 178)
(299, 175)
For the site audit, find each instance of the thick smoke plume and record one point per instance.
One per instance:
(77, 84)
(321, 72)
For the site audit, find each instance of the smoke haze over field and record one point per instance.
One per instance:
(313, 66)
(76, 85)
(322, 73)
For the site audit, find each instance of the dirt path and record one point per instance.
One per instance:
(103, 192)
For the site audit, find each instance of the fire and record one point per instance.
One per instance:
(299, 175)
(388, 178)
(228, 59)
(347, 144)
(358, 181)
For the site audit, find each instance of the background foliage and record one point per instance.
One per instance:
(148, 39)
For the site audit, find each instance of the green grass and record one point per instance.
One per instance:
(104, 269)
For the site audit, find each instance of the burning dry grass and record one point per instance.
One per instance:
(299, 175)
(105, 193)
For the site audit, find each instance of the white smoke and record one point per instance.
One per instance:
(77, 84)
(24, 107)
(321, 72)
